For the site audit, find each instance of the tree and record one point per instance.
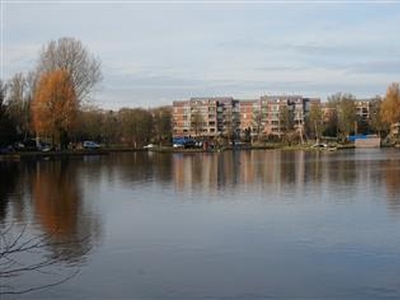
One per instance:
(70, 55)
(390, 108)
(91, 123)
(285, 119)
(375, 120)
(136, 125)
(197, 121)
(257, 123)
(16, 247)
(162, 123)
(7, 128)
(111, 128)
(315, 121)
(346, 112)
(55, 106)
(18, 100)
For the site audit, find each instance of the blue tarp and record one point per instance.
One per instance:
(353, 138)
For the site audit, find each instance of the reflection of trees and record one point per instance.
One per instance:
(66, 230)
(9, 176)
(22, 255)
(392, 180)
(342, 171)
(57, 202)
(140, 167)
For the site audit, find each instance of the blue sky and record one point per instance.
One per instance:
(154, 53)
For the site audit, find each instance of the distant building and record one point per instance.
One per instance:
(230, 117)
(272, 108)
(206, 117)
(363, 107)
(249, 117)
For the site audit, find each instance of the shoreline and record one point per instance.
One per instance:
(16, 156)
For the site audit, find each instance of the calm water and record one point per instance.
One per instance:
(233, 225)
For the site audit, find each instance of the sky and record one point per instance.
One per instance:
(155, 52)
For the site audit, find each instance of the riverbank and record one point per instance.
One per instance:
(31, 155)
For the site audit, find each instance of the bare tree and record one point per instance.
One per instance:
(315, 122)
(70, 55)
(3, 89)
(18, 100)
(14, 249)
(7, 128)
(136, 125)
(162, 123)
(346, 112)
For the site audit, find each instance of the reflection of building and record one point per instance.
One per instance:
(242, 169)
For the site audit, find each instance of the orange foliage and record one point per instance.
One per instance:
(55, 105)
(390, 109)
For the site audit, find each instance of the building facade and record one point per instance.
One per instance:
(229, 117)
(206, 117)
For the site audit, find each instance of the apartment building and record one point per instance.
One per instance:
(289, 109)
(250, 117)
(231, 117)
(206, 116)
(228, 117)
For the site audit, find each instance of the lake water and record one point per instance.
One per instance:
(233, 225)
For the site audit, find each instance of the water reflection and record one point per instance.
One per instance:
(278, 172)
(392, 182)
(9, 177)
(42, 209)
(58, 205)
(56, 187)
(292, 209)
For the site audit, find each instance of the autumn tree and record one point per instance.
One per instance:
(55, 106)
(70, 55)
(375, 122)
(390, 108)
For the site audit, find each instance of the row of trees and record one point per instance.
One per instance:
(46, 101)
(65, 120)
(52, 102)
(135, 127)
(340, 117)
